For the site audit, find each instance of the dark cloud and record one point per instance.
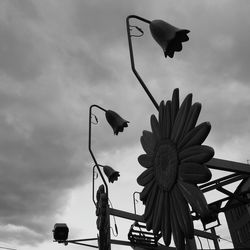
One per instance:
(21, 49)
(219, 41)
(38, 169)
(20, 58)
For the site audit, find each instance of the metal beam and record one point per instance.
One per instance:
(121, 242)
(220, 182)
(231, 166)
(139, 218)
(126, 215)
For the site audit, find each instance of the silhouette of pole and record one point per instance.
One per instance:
(132, 57)
(90, 149)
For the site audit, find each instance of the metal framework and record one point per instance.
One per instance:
(241, 173)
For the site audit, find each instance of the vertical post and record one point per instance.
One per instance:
(191, 244)
(103, 220)
(216, 244)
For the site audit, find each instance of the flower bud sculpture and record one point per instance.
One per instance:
(168, 37)
(116, 121)
(111, 173)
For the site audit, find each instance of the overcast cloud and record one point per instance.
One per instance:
(59, 57)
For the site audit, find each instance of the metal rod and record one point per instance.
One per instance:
(83, 244)
(139, 218)
(221, 182)
(231, 166)
(216, 244)
(134, 200)
(218, 180)
(90, 150)
(89, 239)
(93, 184)
(132, 58)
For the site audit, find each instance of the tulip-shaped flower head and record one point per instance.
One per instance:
(116, 121)
(111, 173)
(168, 37)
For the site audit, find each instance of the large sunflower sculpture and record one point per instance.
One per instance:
(174, 163)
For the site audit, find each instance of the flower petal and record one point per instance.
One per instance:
(183, 213)
(158, 212)
(192, 117)
(163, 125)
(145, 177)
(145, 160)
(166, 225)
(198, 154)
(178, 235)
(194, 197)
(194, 173)
(155, 126)
(148, 141)
(149, 221)
(196, 136)
(150, 202)
(168, 119)
(162, 119)
(175, 105)
(181, 119)
(146, 190)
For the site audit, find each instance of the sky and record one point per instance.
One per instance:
(58, 57)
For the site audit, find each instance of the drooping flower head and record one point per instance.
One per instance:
(116, 121)
(111, 173)
(169, 37)
(174, 162)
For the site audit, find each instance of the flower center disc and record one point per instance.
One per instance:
(166, 163)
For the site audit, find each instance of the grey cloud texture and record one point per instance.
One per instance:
(57, 58)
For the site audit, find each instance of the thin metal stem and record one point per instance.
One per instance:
(93, 184)
(78, 242)
(132, 57)
(134, 200)
(90, 150)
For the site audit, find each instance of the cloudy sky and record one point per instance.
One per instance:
(58, 57)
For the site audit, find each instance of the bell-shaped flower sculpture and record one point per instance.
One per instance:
(111, 173)
(169, 37)
(116, 121)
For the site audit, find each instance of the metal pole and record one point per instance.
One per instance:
(90, 150)
(132, 58)
(216, 244)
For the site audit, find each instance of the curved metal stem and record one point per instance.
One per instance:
(132, 57)
(90, 150)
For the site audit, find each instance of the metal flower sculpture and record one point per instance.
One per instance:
(169, 37)
(116, 121)
(111, 173)
(174, 163)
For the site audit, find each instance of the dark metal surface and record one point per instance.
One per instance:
(139, 218)
(103, 219)
(230, 166)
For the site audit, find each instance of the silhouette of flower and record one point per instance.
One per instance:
(116, 121)
(174, 163)
(169, 37)
(111, 173)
